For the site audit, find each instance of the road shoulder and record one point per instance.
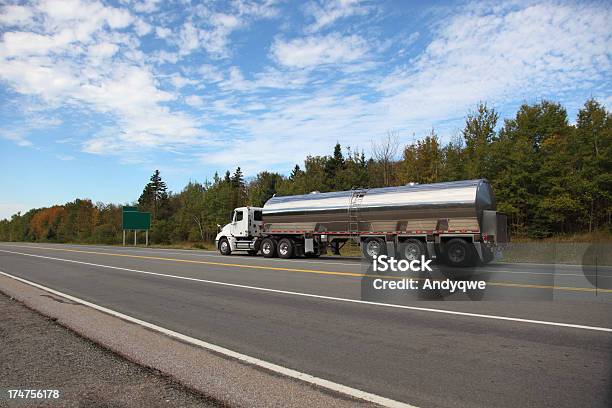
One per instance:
(40, 354)
(219, 378)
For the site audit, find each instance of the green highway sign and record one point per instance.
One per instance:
(135, 220)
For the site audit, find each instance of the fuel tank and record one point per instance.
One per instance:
(419, 207)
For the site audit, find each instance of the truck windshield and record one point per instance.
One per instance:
(257, 215)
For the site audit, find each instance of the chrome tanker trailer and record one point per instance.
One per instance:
(455, 222)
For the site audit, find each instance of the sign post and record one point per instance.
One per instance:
(132, 219)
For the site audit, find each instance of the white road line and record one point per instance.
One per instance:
(321, 382)
(310, 295)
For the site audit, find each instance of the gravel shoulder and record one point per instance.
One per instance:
(38, 353)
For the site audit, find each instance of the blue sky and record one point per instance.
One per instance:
(96, 95)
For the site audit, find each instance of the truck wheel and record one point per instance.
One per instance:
(224, 247)
(285, 248)
(373, 247)
(458, 252)
(268, 248)
(412, 249)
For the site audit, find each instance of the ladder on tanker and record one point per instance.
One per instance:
(353, 210)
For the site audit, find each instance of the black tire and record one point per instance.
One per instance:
(372, 247)
(224, 247)
(412, 249)
(268, 248)
(458, 252)
(285, 248)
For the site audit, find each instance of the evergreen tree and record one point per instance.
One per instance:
(333, 168)
(238, 188)
(354, 173)
(154, 197)
(262, 188)
(295, 173)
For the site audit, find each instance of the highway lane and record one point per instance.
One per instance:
(344, 278)
(428, 359)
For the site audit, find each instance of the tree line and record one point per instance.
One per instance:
(550, 177)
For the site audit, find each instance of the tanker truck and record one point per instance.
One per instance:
(453, 222)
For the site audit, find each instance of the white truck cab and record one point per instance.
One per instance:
(242, 233)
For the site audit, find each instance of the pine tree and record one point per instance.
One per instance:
(238, 188)
(154, 197)
(333, 167)
(297, 172)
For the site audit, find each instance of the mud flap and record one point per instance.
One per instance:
(391, 247)
(478, 247)
(431, 250)
(308, 245)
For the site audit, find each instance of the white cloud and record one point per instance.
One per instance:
(179, 81)
(326, 13)
(92, 58)
(103, 50)
(319, 50)
(142, 27)
(511, 55)
(210, 73)
(188, 39)
(271, 78)
(12, 15)
(15, 136)
(194, 100)
(147, 6)
(61, 63)
(501, 55)
(213, 29)
(163, 32)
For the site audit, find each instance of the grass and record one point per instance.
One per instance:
(584, 237)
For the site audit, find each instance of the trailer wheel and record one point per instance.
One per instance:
(224, 247)
(458, 252)
(373, 247)
(412, 249)
(268, 248)
(285, 248)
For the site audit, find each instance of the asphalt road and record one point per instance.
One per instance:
(422, 357)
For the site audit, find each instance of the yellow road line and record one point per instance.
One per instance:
(204, 262)
(313, 271)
